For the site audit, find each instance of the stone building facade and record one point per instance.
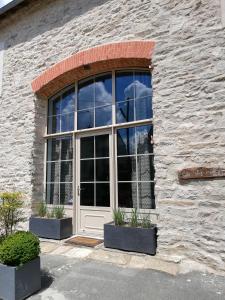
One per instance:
(188, 105)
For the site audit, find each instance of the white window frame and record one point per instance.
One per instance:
(113, 127)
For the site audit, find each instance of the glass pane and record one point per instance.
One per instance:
(67, 103)
(53, 172)
(126, 141)
(85, 119)
(145, 168)
(54, 124)
(146, 195)
(87, 147)
(86, 95)
(103, 116)
(103, 90)
(52, 193)
(66, 171)
(125, 111)
(142, 84)
(124, 86)
(102, 169)
(102, 194)
(53, 149)
(66, 193)
(127, 194)
(87, 194)
(87, 170)
(54, 107)
(126, 168)
(67, 149)
(144, 138)
(67, 122)
(102, 145)
(143, 108)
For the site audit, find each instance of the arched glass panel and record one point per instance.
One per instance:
(133, 96)
(94, 107)
(61, 112)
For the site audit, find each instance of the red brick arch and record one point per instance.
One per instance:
(92, 61)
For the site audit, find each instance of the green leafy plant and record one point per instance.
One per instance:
(19, 248)
(10, 211)
(146, 222)
(119, 217)
(42, 209)
(134, 218)
(58, 212)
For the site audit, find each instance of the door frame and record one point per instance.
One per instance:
(77, 206)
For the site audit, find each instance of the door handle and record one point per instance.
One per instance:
(78, 190)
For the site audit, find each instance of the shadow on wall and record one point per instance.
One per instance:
(41, 17)
(38, 153)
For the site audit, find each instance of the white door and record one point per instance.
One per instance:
(94, 183)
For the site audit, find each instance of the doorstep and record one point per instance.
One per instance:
(112, 256)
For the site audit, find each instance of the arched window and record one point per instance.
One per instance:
(109, 118)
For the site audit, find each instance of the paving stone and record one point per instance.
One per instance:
(110, 257)
(78, 252)
(61, 250)
(47, 247)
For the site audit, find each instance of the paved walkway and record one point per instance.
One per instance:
(121, 258)
(68, 278)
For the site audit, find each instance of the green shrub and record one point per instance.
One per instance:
(19, 248)
(2, 238)
(58, 212)
(119, 217)
(10, 211)
(42, 209)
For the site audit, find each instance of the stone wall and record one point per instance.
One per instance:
(189, 109)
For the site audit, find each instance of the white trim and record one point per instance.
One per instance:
(74, 185)
(1, 65)
(96, 129)
(223, 12)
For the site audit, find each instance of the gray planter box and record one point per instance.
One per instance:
(143, 240)
(56, 229)
(17, 283)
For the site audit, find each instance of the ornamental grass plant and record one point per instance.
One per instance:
(56, 212)
(135, 220)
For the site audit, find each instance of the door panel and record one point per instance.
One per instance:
(94, 183)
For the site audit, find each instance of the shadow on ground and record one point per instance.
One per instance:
(46, 279)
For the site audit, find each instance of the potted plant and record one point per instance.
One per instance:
(20, 274)
(51, 224)
(137, 234)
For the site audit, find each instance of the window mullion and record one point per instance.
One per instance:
(94, 171)
(75, 106)
(60, 156)
(136, 162)
(113, 97)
